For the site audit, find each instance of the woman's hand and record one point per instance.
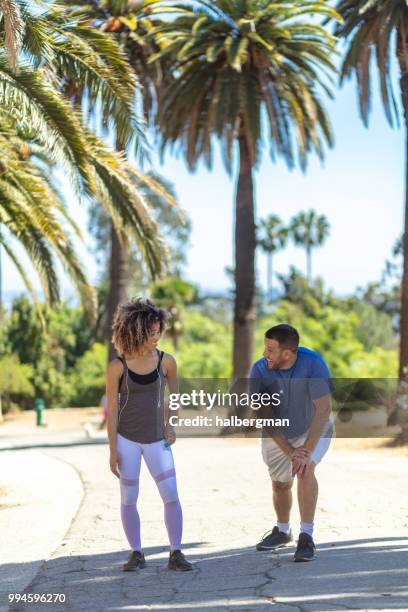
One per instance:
(170, 435)
(114, 462)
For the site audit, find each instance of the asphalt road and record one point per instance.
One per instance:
(361, 532)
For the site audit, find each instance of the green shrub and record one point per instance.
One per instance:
(15, 381)
(87, 380)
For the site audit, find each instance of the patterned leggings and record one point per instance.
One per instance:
(159, 461)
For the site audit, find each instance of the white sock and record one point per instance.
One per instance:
(283, 527)
(307, 528)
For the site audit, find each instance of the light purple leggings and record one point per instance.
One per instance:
(160, 463)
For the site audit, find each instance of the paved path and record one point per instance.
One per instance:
(362, 519)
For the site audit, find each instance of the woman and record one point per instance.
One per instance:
(138, 423)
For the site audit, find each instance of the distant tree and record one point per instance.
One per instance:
(272, 237)
(174, 223)
(309, 296)
(309, 230)
(173, 294)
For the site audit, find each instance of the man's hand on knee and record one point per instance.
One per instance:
(300, 459)
(306, 469)
(301, 452)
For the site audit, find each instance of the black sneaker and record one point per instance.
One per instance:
(136, 561)
(178, 562)
(305, 550)
(274, 539)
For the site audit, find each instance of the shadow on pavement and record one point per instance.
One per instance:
(348, 574)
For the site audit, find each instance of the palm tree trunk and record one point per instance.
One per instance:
(402, 54)
(403, 361)
(309, 263)
(1, 287)
(118, 279)
(244, 307)
(270, 296)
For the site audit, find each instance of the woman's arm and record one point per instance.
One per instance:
(113, 373)
(173, 386)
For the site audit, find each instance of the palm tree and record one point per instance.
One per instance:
(35, 115)
(233, 63)
(309, 230)
(273, 237)
(112, 18)
(373, 28)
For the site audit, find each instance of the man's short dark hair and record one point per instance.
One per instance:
(286, 335)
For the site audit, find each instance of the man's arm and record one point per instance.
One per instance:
(321, 416)
(265, 412)
(302, 455)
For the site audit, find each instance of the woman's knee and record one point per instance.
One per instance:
(167, 485)
(129, 491)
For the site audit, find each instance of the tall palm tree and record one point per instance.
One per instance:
(309, 230)
(35, 114)
(233, 63)
(272, 237)
(112, 18)
(373, 28)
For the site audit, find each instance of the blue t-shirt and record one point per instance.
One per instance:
(307, 380)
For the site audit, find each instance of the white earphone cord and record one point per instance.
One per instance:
(127, 390)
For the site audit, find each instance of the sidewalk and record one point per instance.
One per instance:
(39, 497)
(225, 492)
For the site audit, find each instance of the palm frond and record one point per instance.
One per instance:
(266, 54)
(9, 251)
(14, 30)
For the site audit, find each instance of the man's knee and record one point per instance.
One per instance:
(280, 487)
(309, 475)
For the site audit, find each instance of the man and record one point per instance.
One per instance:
(302, 379)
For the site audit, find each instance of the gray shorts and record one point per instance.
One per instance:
(279, 464)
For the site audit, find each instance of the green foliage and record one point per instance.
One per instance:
(374, 328)
(204, 349)
(50, 353)
(310, 295)
(24, 334)
(15, 377)
(174, 294)
(67, 367)
(51, 383)
(355, 338)
(87, 380)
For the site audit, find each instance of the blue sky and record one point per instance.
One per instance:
(359, 188)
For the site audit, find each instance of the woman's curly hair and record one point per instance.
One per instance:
(133, 322)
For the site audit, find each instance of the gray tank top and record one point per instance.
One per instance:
(141, 404)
